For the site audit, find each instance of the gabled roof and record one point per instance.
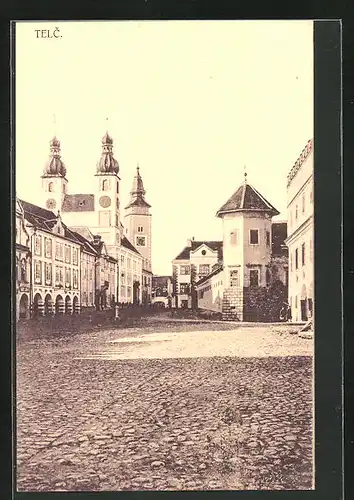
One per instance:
(44, 219)
(126, 243)
(246, 198)
(79, 203)
(206, 278)
(88, 247)
(213, 245)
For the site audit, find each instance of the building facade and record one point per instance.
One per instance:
(300, 240)
(197, 260)
(248, 280)
(114, 263)
(23, 264)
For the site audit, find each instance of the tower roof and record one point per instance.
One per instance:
(107, 164)
(137, 194)
(246, 198)
(54, 166)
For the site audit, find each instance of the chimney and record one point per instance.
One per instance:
(189, 241)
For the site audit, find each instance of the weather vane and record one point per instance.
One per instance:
(245, 174)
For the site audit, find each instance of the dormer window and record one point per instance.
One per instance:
(105, 185)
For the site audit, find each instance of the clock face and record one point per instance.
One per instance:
(51, 204)
(105, 201)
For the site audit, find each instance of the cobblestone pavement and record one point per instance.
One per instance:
(93, 414)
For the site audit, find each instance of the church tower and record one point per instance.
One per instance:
(247, 248)
(54, 182)
(138, 220)
(107, 197)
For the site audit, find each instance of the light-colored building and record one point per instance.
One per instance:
(100, 214)
(54, 277)
(300, 240)
(253, 268)
(23, 264)
(198, 257)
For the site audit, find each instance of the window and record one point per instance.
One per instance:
(268, 277)
(48, 247)
(51, 187)
(303, 202)
(84, 296)
(75, 278)
(122, 259)
(48, 273)
(38, 245)
(105, 185)
(234, 237)
(296, 259)
(234, 277)
(140, 229)
(268, 238)
(38, 271)
(184, 288)
(67, 276)
(91, 274)
(296, 212)
(254, 277)
(90, 298)
(59, 251)
(23, 270)
(75, 256)
(286, 271)
(104, 218)
(291, 261)
(254, 237)
(129, 263)
(295, 301)
(67, 254)
(185, 270)
(303, 254)
(140, 241)
(117, 187)
(204, 269)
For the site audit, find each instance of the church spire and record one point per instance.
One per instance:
(107, 163)
(137, 194)
(54, 165)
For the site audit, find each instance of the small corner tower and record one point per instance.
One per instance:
(54, 182)
(107, 194)
(138, 220)
(247, 245)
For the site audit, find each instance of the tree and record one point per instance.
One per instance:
(175, 285)
(193, 291)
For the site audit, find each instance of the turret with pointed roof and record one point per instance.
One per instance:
(246, 197)
(107, 164)
(137, 194)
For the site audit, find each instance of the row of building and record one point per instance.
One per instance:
(259, 263)
(73, 251)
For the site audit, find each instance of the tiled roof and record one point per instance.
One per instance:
(79, 203)
(44, 219)
(213, 245)
(206, 278)
(138, 202)
(305, 153)
(246, 198)
(279, 234)
(126, 243)
(84, 241)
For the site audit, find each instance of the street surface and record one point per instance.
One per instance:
(165, 406)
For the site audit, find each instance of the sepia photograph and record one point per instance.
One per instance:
(164, 256)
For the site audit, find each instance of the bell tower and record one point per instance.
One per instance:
(107, 196)
(54, 182)
(138, 220)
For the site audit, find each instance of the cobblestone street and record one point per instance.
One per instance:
(165, 406)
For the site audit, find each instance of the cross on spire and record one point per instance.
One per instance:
(245, 173)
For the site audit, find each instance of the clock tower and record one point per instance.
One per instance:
(107, 198)
(54, 182)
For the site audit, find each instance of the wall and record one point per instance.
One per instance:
(210, 293)
(198, 259)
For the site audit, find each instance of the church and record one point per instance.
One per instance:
(112, 251)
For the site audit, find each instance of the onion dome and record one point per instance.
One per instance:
(54, 165)
(107, 163)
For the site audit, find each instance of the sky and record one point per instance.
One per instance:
(194, 102)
